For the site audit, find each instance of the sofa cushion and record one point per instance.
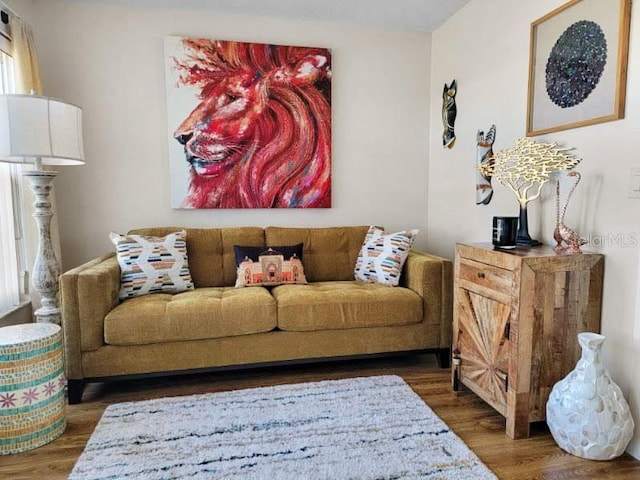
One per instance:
(269, 266)
(212, 259)
(197, 314)
(329, 253)
(343, 305)
(150, 264)
(383, 255)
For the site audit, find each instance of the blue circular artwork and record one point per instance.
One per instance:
(576, 63)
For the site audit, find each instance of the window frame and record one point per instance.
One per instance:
(8, 86)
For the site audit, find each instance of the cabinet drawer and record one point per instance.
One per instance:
(486, 280)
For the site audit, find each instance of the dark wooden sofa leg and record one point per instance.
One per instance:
(444, 357)
(74, 391)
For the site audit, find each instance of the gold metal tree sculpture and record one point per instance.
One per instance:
(524, 169)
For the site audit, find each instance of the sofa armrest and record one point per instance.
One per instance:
(87, 293)
(432, 278)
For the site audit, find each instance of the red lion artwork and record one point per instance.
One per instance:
(261, 135)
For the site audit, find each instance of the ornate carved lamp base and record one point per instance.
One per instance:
(46, 268)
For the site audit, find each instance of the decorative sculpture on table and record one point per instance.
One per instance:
(567, 241)
(484, 156)
(586, 412)
(449, 112)
(525, 168)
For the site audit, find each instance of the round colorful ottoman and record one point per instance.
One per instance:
(32, 402)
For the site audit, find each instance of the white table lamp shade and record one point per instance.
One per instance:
(32, 126)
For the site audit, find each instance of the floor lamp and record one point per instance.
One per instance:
(41, 131)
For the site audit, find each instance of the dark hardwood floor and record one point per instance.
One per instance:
(536, 457)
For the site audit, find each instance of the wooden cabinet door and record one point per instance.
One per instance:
(484, 347)
(483, 321)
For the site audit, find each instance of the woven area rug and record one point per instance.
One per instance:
(359, 428)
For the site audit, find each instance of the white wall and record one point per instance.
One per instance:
(485, 46)
(109, 60)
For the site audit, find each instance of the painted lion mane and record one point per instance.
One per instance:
(261, 135)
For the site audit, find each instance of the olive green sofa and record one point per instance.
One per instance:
(217, 325)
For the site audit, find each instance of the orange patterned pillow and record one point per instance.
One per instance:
(382, 256)
(152, 264)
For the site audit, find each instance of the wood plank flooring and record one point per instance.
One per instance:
(536, 457)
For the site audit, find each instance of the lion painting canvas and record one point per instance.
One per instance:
(249, 124)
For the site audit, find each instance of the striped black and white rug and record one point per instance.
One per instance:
(359, 428)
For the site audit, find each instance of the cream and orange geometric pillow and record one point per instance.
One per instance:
(382, 256)
(152, 264)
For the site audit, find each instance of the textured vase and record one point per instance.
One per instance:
(586, 411)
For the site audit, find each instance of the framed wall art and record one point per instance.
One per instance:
(578, 65)
(249, 124)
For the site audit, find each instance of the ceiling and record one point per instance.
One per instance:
(411, 15)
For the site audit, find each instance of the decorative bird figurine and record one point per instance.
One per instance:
(567, 240)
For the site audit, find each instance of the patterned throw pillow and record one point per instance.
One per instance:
(152, 264)
(382, 256)
(269, 266)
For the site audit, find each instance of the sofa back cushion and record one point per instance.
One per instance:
(212, 259)
(329, 253)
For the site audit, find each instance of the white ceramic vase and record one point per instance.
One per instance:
(586, 411)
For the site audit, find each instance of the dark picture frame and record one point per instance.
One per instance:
(578, 65)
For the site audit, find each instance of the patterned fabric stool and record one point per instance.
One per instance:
(32, 403)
